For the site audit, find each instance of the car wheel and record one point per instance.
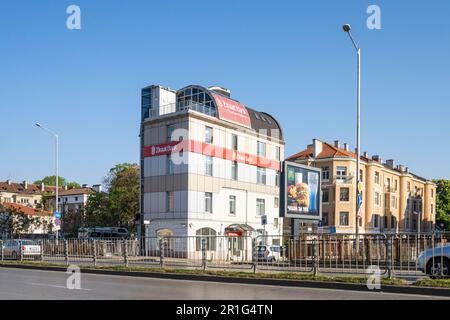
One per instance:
(434, 267)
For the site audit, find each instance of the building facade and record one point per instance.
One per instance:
(394, 199)
(209, 165)
(24, 193)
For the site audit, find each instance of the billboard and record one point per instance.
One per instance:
(232, 111)
(301, 192)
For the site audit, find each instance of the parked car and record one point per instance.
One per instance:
(12, 249)
(269, 253)
(435, 262)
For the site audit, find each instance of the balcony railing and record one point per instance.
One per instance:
(180, 107)
(343, 179)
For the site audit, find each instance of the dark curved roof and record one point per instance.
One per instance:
(259, 120)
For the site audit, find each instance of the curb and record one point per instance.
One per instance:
(406, 289)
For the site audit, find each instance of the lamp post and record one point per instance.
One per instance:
(347, 28)
(56, 166)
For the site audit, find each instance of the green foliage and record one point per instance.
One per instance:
(119, 206)
(14, 223)
(443, 203)
(51, 181)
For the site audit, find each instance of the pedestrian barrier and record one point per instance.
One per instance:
(317, 253)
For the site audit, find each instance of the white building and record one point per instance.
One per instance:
(217, 175)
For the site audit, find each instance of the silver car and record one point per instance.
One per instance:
(435, 262)
(13, 248)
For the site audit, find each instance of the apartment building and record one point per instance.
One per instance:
(209, 165)
(75, 200)
(394, 199)
(27, 194)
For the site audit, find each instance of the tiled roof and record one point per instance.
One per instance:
(79, 191)
(32, 188)
(27, 210)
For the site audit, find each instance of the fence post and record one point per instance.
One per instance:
(41, 257)
(161, 252)
(125, 252)
(20, 251)
(1, 249)
(315, 257)
(66, 252)
(204, 254)
(94, 252)
(389, 256)
(254, 255)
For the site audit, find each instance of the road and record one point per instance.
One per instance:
(33, 284)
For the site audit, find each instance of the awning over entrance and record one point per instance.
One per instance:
(238, 230)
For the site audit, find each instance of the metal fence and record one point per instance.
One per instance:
(393, 254)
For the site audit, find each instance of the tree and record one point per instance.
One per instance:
(443, 203)
(119, 206)
(13, 222)
(51, 181)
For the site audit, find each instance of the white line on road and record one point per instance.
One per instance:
(55, 286)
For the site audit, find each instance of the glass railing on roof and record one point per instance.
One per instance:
(182, 106)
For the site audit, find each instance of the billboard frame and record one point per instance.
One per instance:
(283, 194)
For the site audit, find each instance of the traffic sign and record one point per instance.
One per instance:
(360, 186)
(359, 201)
(57, 215)
(264, 220)
(332, 229)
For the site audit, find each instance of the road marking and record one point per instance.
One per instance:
(55, 286)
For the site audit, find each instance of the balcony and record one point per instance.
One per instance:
(343, 179)
(181, 107)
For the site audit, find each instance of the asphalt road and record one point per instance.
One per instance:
(32, 284)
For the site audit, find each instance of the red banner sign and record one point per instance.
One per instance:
(209, 150)
(234, 234)
(232, 111)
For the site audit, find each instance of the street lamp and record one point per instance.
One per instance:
(56, 165)
(347, 28)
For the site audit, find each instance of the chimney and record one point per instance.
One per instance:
(337, 143)
(407, 170)
(42, 187)
(390, 163)
(65, 187)
(97, 187)
(8, 182)
(346, 147)
(366, 154)
(25, 184)
(317, 147)
(377, 158)
(84, 186)
(401, 168)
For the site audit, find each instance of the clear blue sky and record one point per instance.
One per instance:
(288, 58)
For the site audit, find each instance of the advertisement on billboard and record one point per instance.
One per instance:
(301, 192)
(232, 111)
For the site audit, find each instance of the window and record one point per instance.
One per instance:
(206, 236)
(343, 218)
(388, 183)
(208, 166)
(377, 177)
(432, 209)
(393, 223)
(277, 153)
(385, 222)
(325, 196)
(276, 202)
(326, 173)
(234, 142)
(277, 178)
(377, 198)
(208, 135)
(76, 198)
(170, 130)
(261, 149)
(393, 201)
(344, 194)
(432, 193)
(169, 164)
(169, 201)
(341, 173)
(260, 207)
(325, 220)
(208, 202)
(376, 220)
(408, 186)
(395, 185)
(261, 175)
(232, 201)
(275, 222)
(361, 176)
(234, 170)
